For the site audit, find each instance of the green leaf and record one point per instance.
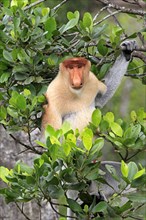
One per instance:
(45, 11)
(132, 132)
(133, 116)
(71, 15)
(3, 173)
(3, 113)
(133, 169)
(137, 197)
(98, 145)
(87, 136)
(40, 144)
(100, 207)
(109, 117)
(50, 26)
(139, 173)
(55, 192)
(8, 56)
(23, 168)
(72, 23)
(26, 92)
(101, 47)
(74, 206)
(124, 169)
(103, 70)
(4, 77)
(21, 102)
(96, 117)
(139, 181)
(12, 112)
(116, 128)
(67, 148)
(88, 21)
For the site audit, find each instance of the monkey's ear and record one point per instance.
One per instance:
(128, 47)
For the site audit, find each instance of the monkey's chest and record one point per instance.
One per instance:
(80, 119)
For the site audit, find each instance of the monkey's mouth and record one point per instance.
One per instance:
(77, 87)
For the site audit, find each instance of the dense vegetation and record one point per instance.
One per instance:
(33, 41)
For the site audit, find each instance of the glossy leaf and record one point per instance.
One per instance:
(109, 117)
(50, 26)
(3, 113)
(96, 117)
(124, 169)
(116, 128)
(74, 206)
(100, 207)
(8, 56)
(3, 173)
(102, 47)
(87, 21)
(87, 136)
(133, 169)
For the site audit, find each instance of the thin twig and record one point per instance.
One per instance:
(136, 68)
(136, 75)
(34, 4)
(137, 152)
(22, 211)
(101, 10)
(26, 146)
(106, 17)
(139, 54)
(117, 22)
(124, 9)
(59, 5)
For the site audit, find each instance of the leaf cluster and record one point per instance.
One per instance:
(71, 163)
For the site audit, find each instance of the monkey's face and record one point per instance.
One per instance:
(76, 71)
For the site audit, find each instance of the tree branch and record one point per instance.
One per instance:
(60, 4)
(139, 54)
(34, 4)
(106, 17)
(123, 9)
(21, 210)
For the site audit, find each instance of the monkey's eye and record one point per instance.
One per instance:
(80, 66)
(70, 67)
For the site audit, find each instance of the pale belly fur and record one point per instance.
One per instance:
(80, 119)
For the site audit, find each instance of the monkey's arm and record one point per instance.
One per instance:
(51, 117)
(113, 78)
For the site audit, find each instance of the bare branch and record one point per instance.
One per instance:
(106, 17)
(136, 75)
(34, 4)
(117, 22)
(60, 4)
(139, 55)
(123, 9)
(26, 146)
(101, 10)
(21, 210)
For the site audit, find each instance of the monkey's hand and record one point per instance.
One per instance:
(128, 47)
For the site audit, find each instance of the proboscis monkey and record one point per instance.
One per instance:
(75, 92)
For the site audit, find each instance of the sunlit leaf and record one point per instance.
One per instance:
(116, 128)
(124, 169)
(3, 173)
(96, 117)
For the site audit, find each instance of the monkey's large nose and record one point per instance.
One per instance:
(77, 81)
(77, 85)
